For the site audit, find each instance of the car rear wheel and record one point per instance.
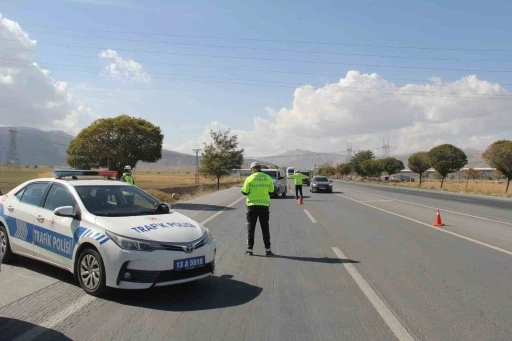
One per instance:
(7, 254)
(91, 272)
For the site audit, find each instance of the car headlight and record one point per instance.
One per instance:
(314, 185)
(209, 236)
(330, 184)
(132, 244)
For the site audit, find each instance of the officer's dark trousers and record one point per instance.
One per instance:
(298, 188)
(252, 215)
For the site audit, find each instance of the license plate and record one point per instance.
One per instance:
(188, 263)
(321, 187)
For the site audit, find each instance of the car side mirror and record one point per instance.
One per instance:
(66, 211)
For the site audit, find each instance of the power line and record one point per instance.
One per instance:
(390, 91)
(259, 49)
(261, 40)
(313, 62)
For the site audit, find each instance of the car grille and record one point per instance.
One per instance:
(143, 276)
(176, 275)
(182, 246)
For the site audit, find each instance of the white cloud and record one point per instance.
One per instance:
(365, 108)
(29, 96)
(123, 69)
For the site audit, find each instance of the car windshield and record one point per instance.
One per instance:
(117, 201)
(271, 173)
(321, 178)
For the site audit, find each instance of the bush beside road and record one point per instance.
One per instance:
(481, 187)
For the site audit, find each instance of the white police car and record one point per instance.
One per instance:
(107, 233)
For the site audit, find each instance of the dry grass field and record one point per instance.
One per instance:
(146, 179)
(474, 187)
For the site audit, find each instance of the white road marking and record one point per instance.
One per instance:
(53, 321)
(310, 216)
(428, 225)
(413, 203)
(210, 218)
(377, 200)
(387, 315)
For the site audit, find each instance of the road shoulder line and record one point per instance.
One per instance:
(435, 208)
(215, 215)
(387, 315)
(430, 226)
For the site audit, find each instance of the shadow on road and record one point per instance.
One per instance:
(326, 260)
(200, 207)
(212, 293)
(41, 268)
(11, 329)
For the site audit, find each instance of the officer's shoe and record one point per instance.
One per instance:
(248, 252)
(268, 252)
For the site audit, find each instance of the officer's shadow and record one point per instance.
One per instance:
(326, 260)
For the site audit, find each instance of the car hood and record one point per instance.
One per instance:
(167, 228)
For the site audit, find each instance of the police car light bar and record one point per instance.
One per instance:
(67, 172)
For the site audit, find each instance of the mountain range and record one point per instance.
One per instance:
(46, 148)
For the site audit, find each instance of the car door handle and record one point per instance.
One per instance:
(10, 208)
(40, 218)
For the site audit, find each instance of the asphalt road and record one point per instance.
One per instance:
(362, 263)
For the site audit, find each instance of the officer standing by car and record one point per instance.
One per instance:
(298, 177)
(257, 187)
(128, 178)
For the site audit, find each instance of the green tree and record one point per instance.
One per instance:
(326, 170)
(418, 163)
(372, 167)
(446, 159)
(391, 165)
(471, 173)
(123, 140)
(499, 155)
(221, 156)
(359, 158)
(344, 169)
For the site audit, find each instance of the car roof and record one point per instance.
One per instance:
(84, 182)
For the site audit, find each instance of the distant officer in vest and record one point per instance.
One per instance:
(128, 178)
(298, 177)
(257, 187)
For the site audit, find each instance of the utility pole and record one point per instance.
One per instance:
(197, 164)
(349, 151)
(13, 156)
(386, 148)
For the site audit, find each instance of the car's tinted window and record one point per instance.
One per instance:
(20, 194)
(321, 178)
(116, 200)
(58, 196)
(33, 193)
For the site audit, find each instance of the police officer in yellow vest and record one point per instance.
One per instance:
(128, 178)
(257, 187)
(298, 182)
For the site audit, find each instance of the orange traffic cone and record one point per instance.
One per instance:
(300, 200)
(438, 222)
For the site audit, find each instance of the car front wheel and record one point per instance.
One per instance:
(7, 254)
(91, 272)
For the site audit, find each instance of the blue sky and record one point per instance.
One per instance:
(184, 107)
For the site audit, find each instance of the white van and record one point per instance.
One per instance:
(279, 177)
